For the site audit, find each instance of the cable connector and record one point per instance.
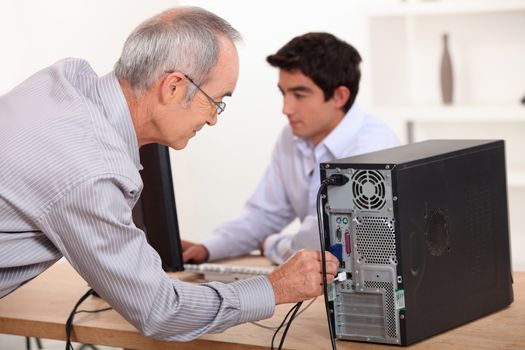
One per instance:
(336, 180)
(341, 276)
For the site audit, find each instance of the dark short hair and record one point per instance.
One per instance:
(327, 60)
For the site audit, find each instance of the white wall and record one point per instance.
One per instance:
(220, 168)
(36, 33)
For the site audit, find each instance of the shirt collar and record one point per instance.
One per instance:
(343, 135)
(117, 112)
(338, 140)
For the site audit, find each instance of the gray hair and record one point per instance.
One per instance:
(183, 39)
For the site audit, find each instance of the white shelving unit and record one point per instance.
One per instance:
(453, 113)
(487, 47)
(394, 8)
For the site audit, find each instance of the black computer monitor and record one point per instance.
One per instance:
(155, 212)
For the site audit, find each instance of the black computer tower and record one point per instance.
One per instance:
(422, 233)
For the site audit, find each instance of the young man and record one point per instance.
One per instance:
(319, 80)
(69, 170)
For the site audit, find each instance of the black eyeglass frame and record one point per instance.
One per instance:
(221, 105)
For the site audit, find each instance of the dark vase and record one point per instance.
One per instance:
(447, 82)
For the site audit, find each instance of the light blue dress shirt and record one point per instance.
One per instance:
(288, 190)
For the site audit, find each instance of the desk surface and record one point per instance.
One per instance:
(41, 307)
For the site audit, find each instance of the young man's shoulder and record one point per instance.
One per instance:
(373, 135)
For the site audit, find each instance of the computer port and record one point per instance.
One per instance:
(338, 233)
(337, 251)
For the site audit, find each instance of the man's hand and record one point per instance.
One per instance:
(193, 252)
(300, 277)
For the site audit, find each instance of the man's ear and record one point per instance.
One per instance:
(172, 87)
(341, 96)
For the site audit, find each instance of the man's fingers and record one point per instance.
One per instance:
(329, 279)
(300, 277)
(195, 254)
(331, 267)
(330, 257)
(186, 257)
(185, 244)
(188, 254)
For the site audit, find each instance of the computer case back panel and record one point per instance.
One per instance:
(362, 234)
(422, 237)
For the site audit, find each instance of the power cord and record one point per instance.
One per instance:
(37, 341)
(333, 180)
(292, 311)
(273, 328)
(69, 322)
(94, 311)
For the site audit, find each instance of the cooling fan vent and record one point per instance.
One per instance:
(368, 188)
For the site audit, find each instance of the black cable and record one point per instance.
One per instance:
(292, 317)
(282, 323)
(94, 311)
(88, 346)
(37, 341)
(322, 188)
(296, 306)
(69, 322)
(333, 180)
(298, 314)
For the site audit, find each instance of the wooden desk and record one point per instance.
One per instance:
(41, 307)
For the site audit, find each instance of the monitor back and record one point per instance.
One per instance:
(155, 212)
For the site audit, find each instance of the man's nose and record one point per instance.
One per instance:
(288, 107)
(213, 119)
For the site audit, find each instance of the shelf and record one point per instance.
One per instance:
(495, 113)
(385, 9)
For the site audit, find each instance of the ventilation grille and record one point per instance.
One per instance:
(388, 288)
(480, 227)
(361, 315)
(376, 243)
(368, 189)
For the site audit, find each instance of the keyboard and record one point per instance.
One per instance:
(227, 273)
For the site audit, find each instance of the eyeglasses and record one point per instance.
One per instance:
(221, 106)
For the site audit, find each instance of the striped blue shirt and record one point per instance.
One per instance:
(69, 178)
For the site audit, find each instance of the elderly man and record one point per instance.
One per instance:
(69, 170)
(319, 80)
